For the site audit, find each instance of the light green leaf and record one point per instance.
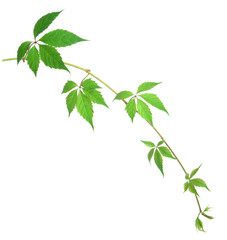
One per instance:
(146, 86)
(166, 152)
(84, 107)
(51, 57)
(160, 143)
(187, 176)
(33, 59)
(69, 86)
(159, 161)
(71, 100)
(144, 111)
(60, 38)
(199, 183)
(95, 96)
(123, 95)
(88, 83)
(186, 186)
(148, 143)
(131, 108)
(195, 171)
(199, 225)
(154, 101)
(23, 48)
(207, 209)
(150, 154)
(192, 189)
(44, 22)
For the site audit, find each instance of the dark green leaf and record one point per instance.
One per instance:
(131, 108)
(158, 160)
(60, 38)
(33, 59)
(69, 86)
(199, 224)
(71, 100)
(95, 96)
(192, 189)
(154, 101)
(148, 143)
(160, 143)
(146, 86)
(150, 154)
(44, 22)
(166, 152)
(144, 111)
(84, 107)
(23, 48)
(88, 83)
(199, 183)
(51, 57)
(186, 186)
(123, 95)
(195, 171)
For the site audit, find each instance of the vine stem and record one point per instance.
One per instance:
(111, 89)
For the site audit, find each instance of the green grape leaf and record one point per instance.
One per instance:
(166, 152)
(148, 143)
(123, 95)
(84, 107)
(95, 96)
(160, 143)
(192, 189)
(88, 83)
(199, 224)
(44, 22)
(146, 86)
(150, 154)
(60, 38)
(131, 108)
(71, 100)
(195, 171)
(51, 57)
(69, 86)
(199, 183)
(186, 186)
(159, 161)
(153, 100)
(144, 111)
(23, 48)
(33, 59)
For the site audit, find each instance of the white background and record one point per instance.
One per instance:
(59, 179)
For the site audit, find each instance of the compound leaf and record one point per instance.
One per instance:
(33, 59)
(166, 152)
(159, 161)
(88, 83)
(146, 86)
(199, 183)
(60, 38)
(44, 22)
(154, 101)
(195, 171)
(69, 86)
(144, 111)
(131, 108)
(84, 107)
(123, 95)
(51, 57)
(71, 100)
(95, 96)
(23, 48)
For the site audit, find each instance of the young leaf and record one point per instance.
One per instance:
(88, 83)
(33, 59)
(44, 22)
(23, 48)
(148, 143)
(160, 143)
(192, 189)
(166, 152)
(123, 95)
(131, 108)
(150, 154)
(199, 183)
(144, 111)
(186, 186)
(154, 101)
(195, 171)
(69, 86)
(199, 224)
(95, 96)
(84, 107)
(51, 57)
(71, 100)
(146, 86)
(159, 161)
(60, 38)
